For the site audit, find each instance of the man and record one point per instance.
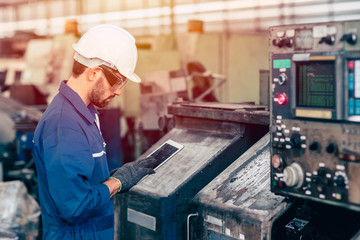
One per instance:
(201, 80)
(75, 189)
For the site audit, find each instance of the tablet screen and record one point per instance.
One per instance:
(163, 153)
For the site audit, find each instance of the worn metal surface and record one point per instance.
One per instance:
(238, 202)
(209, 147)
(244, 113)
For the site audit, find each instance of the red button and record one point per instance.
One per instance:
(281, 98)
(351, 64)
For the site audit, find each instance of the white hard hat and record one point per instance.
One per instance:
(110, 45)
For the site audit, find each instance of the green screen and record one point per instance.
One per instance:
(315, 84)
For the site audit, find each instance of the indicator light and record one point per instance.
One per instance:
(351, 64)
(281, 98)
(276, 161)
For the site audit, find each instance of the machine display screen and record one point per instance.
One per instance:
(315, 81)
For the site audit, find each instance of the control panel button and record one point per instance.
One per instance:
(315, 179)
(340, 181)
(321, 172)
(331, 148)
(330, 40)
(314, 146)
(295, 140)
(277, 161)
(338, 196)
(350, 38)
(282, 78)
(281, 98)
(283, 42)
(321, 189)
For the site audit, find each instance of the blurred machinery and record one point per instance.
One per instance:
(47, 62)
(315, 151)
(15, 47)
(19, 212)
(213, 135)
(202, 82)
(159, 89)
(35, 65)
(10, 72)
(16, 133)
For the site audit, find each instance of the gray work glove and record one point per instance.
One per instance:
(131, 173)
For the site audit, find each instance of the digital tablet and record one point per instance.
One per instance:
(165, 152)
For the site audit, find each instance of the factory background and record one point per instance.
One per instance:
(235, 43)
(162, 28)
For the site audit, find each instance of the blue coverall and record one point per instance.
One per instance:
(70, 159)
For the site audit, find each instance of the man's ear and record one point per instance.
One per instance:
(93, 74)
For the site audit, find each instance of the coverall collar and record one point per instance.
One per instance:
(88, 112)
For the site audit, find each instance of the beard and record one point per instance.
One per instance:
(97, 94)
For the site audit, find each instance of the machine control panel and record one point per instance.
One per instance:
(315, 108)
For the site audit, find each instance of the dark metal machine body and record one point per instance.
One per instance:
(315, 115)
(238, 203)
(213, 136)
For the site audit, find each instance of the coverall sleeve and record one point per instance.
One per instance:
(69, 165)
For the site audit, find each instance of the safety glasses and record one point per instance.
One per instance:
(113, 77)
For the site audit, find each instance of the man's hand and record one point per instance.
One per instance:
(131, 173)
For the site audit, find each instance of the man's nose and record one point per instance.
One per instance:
(118, 92)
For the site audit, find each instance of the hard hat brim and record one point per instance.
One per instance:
(134, 78)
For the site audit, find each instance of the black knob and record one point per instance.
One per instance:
(315, 179)
(340, 181)
(327, 182)
(295, 140)
(321, 172)
(350, 38)
(277, 42)
(330, 40)
(314, 146)
(283, 42)
(289, 42)
(331, 148)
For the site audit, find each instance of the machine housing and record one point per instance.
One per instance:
(315, 112)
